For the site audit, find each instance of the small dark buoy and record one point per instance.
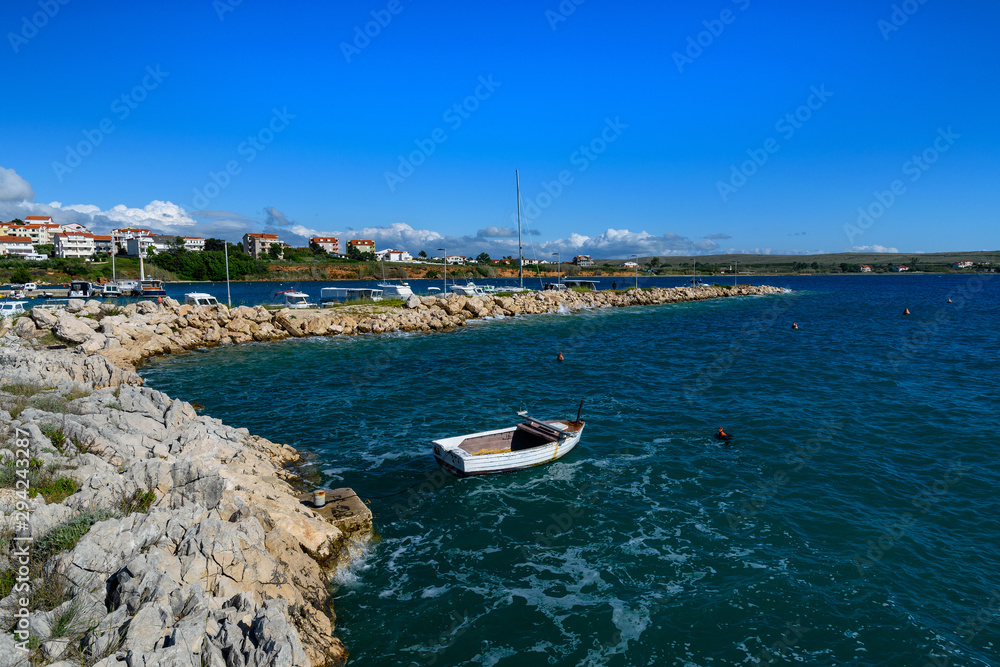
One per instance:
(795, 325)
(560, 357)
(906, 311)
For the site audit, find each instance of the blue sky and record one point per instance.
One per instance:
(668, 127)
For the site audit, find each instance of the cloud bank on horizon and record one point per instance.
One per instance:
(17, 200)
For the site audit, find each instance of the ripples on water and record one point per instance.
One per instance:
(807, 539)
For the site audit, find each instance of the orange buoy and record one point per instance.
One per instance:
(795, 325)
(906, 311)
(949, 300)
(560, 357)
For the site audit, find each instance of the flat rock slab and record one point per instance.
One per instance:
(344, 509)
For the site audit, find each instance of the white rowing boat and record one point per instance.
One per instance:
(530, 443)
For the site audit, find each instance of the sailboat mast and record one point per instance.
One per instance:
(520, 254)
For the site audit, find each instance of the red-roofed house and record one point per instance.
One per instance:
(329, 243)
(39, 233)
(16, 245)
(390, 255)
(102, 244)
(363, 245)
(73, 244)
(256, 245)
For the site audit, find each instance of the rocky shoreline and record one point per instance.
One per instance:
(136, 532)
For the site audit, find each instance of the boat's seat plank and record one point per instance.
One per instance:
(546, 434)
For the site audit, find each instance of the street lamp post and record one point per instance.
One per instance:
(445, 270)
(225, 252)
(636, 271)
(558, 256)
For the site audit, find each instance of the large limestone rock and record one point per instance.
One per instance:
(25, 327)
(71, 329)
(43, 318)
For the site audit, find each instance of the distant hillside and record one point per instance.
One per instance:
(845, 262)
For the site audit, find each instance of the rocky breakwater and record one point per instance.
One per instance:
(125, 336)
(134, 531)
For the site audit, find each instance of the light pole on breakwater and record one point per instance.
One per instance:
(445, 251)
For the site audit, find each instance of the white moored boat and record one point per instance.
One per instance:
(530, 443)
(294, 299)
(200, 299)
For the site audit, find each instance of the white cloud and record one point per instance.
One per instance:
(304, 232)
(622, 242)
(397, 235)
(873, 248)
(156, 213)
(13, 187)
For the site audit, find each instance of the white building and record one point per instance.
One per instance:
(456, 259)
(73, 244)
(16, 246)
(102, 244)
(194, 243)
(258, 245)
(390, 255)
(39, 233)
(630, 265)
(161, 243)
(363, 245)
(331, 244)
(583, 260)
(529, 262)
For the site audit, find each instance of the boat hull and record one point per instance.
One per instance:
(463, 464)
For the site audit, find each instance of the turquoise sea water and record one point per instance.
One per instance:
(852, 520)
